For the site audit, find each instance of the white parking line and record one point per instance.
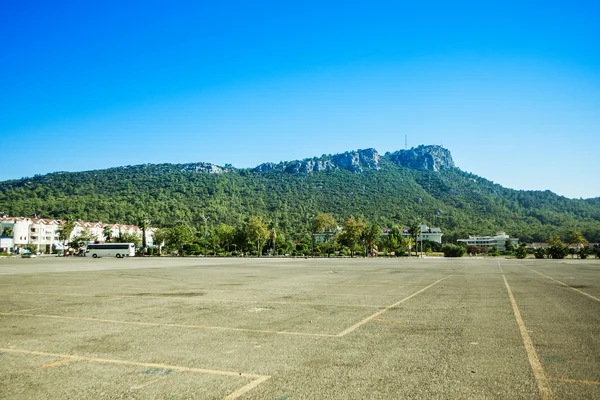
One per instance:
(534, 361)
(257, 379)
(562, 283)
(378, 313)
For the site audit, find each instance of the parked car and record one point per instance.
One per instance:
(28, 254)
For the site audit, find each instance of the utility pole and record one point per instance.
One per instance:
(421, 229)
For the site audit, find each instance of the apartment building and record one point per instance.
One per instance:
(17, 232)
(498, 240)
(427, 233)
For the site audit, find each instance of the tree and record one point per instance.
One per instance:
(179, 235)
(509, 246)
(372, 235)
(540, 253)
(407, 243)
(160, 236)
(351, 234)
(576, 239)
(494, 251)
(225, 235)
(453, 250)
(84, 237)
(556, 249)
(65, 230)
(391, 243)
(126, 237)
(257, 232)
(283, 245)
(415, 231)
(7, 231)
(143, 223)
(521, 251)
(325, 224)
(107, 233)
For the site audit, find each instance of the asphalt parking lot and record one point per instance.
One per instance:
(283, 329)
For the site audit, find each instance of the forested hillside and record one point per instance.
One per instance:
(391, 190)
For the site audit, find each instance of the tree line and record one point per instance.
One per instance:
(258, 236)
(458, 202)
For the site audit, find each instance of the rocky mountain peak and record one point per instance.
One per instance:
(202, 167)
(356, 161)
(423, 158)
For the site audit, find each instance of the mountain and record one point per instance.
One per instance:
(391, 189)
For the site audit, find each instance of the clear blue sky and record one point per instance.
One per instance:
(512, 89)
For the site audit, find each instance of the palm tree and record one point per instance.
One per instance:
(415, 230)
(107, 232)
(144, 224)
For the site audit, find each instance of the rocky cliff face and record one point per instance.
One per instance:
(424, 158)
(356, 161)
(206, 168)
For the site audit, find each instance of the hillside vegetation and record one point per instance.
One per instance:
(395, 189)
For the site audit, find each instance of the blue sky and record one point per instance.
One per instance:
(512, 89)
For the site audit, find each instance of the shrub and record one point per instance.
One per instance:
(191, 249)
(494, 251)
(540, 253)
(452, 250)
(521, 252)
(477, 250)
(557, 251)
(400, 252)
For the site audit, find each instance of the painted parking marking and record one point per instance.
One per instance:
(538, 372)
(562, 283)
(378, 313)
(157, 324)
(245, 389)
(342, 333)
(256, 379)
(26, 310)
(159, 372)
(59, 362)
(113, 298)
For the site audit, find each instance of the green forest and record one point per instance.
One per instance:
(393, 195)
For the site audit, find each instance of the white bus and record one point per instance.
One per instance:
(111, 250)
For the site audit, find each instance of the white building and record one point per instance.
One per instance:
(498, 241)
(427, 233)
(17, 232)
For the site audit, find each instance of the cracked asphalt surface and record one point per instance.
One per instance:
(264, 328)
